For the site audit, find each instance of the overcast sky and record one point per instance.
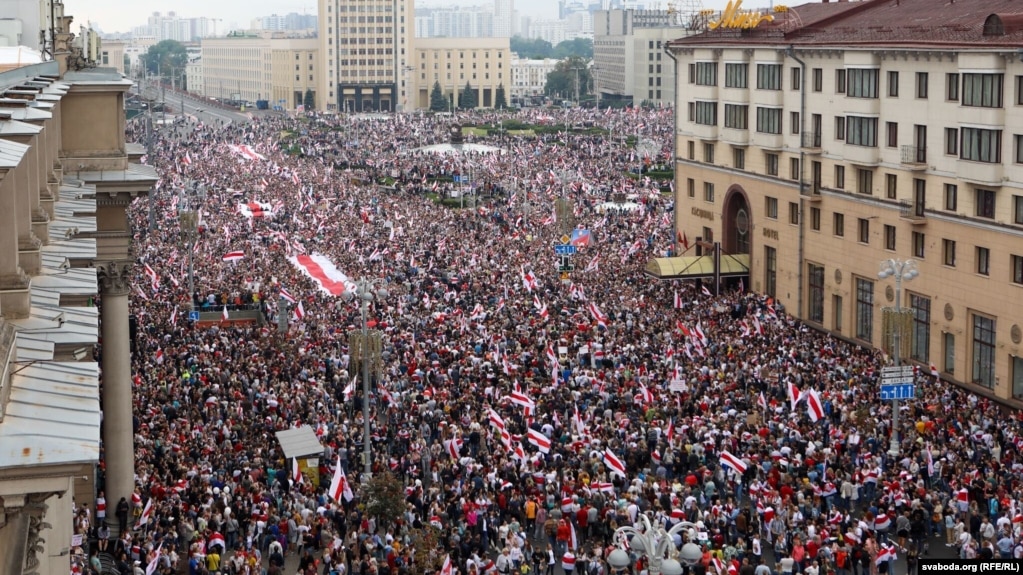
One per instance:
(121, 16)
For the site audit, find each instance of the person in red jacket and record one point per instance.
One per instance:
(564, 534)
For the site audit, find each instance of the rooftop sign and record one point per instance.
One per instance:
(734, 18)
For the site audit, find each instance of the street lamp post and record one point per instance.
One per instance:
(367, 348)
(900, 270)
(657, 545)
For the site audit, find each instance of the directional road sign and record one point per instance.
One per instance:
(193, 316)
(905, 391)
(565, 249)
(897, 380)
(898, 370)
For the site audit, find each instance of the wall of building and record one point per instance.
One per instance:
(112, 55)
(295, 70)
(365, 64)
(483, 63)
(628, 55)
(912, 195)
(529, 77)
(237, 67)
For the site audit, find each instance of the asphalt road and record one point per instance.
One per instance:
(206, 114)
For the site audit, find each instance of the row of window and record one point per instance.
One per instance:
(461, 76)
(975, 89)
(982, 333)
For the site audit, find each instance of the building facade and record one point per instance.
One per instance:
(67, 177)
(831, 137)
(112, 55)
(482, 63)
(529, 77)
(629, 61)
(170, 26)
(366, 49)
(263, 66)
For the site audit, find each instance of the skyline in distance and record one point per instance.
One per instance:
(113, 17)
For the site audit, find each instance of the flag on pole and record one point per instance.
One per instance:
(339, 486)
(540, 440)
(705, 291)
(794, 395)
(447, 569)
(729, 460)
(147, 513)
(233, 256)
(224, 315)
(678, 300)
(286, 296)
(614, 465)
(814, 405)
(151, 567)
(762, 401)
(296, 473)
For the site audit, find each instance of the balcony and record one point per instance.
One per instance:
(914, 157)
(812, 192)
(912, 212)
(861, 155)
(986, 173)
(811, 142)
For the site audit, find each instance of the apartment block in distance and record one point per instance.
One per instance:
(629, 62)
(482, 63)
(366, 47)
(262, 66)
(818, 141)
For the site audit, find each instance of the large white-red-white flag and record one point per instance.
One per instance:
(151, 567)
(447, 568)
(321, 270)
(296, 473)
(233, 256)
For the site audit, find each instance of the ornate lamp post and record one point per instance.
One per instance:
(900, 270)
(366, 345)
(657, 545)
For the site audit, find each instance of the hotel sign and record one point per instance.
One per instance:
(703, 214)
(734, 18)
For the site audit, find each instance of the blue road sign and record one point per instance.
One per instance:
(193, 316)
(904, 391)
(565, 249)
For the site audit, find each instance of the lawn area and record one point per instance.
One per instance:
(474, 132)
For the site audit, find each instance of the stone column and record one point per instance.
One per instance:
(118, 435)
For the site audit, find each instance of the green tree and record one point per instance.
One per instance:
(438, 103)
(580, 47)
(499, 99)
(531, 48)
(562, 81)
(167, 59)
(467, 99)
(309, 101)
(384, 497)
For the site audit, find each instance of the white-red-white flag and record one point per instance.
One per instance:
(296, 473)
(814, 406)
(339, 486)
(733, 462)
(540, 440)
(614, 465)
(233, 256)
(147, 514)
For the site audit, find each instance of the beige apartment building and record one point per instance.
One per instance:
(366, 47)
(482, 63)
(840, 135)
(261, 66)
(629, 63)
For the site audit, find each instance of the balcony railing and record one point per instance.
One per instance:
(912, 210)
(811, 139)
(914, 155)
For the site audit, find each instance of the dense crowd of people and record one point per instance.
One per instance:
(525, 415)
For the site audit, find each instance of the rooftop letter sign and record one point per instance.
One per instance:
(734, 18)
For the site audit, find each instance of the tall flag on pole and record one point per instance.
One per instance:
(339, 486)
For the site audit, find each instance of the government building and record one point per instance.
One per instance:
(814, 143)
